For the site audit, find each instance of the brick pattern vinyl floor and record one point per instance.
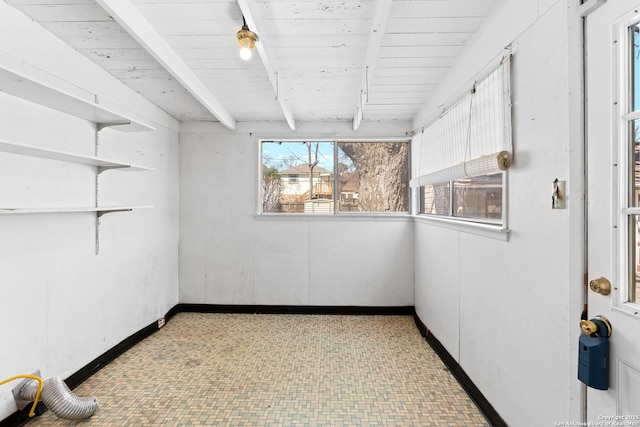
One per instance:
(278, 370)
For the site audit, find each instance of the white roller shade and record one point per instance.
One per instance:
(473, 137)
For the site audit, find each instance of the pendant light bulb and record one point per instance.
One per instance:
(247, 40)
(245, 53)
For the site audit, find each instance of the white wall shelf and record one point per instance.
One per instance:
(100, 165)
(33, 84)
(33, 151)
(99, 210)
(27, 82)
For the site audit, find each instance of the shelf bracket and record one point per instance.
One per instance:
(100, 126)
(99, 215)
(101, 169)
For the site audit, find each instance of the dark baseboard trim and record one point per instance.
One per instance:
(476, 395)
(105, 358)
(295, 309)
(174, 310)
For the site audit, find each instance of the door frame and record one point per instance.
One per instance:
(577, 13)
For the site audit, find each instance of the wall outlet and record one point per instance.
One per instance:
(161, 322)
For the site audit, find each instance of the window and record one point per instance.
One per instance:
(462, 154)
(478, 198)
(326, 177)
(632, 178)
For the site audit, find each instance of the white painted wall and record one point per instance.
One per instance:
(229, 255)
(63, 305)
(507, 311)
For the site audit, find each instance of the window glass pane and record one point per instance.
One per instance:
(634, 176)
(437, 199)
(373, 176)
(633, 291)
(479, 197)
(634, 254)
(297, 177)
(635, 65)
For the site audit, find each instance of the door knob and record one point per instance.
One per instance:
(588, 327)
(598, 325)
(601, 286)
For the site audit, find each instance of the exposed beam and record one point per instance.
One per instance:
(380, 18)
(254, 21)
(589, 6)
(139, 28)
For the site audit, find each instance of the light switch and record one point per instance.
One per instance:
(559, 195)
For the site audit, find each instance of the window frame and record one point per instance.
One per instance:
(624, 207)
(502, 222)
(336, 212)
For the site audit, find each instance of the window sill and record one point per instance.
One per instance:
(334, 217)
(497, 232)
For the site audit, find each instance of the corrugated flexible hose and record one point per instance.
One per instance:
(60, 400)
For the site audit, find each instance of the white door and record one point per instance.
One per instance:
(613, 132)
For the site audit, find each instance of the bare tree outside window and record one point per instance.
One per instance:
(382, 169)
(271, 189)
(312, 153)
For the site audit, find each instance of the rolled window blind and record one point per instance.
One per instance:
(473, 137)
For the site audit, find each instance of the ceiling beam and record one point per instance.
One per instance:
(380, 18)
(254, 21)
(139, 28)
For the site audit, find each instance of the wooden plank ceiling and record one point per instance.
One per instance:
(327, 57)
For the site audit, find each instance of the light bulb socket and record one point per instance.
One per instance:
(247, 38)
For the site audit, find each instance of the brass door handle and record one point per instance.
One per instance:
(601, 286)
(598, 324)
(588, 327)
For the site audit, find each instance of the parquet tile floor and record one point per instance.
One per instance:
(278, 370)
